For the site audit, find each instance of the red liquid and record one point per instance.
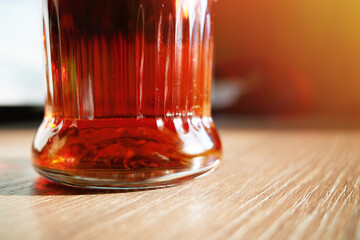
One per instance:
(128, 90)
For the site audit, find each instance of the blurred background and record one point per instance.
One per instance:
(273, 58)
(290, 57)
(20, 53)
(21, 77)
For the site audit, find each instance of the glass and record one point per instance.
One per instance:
(128, 93)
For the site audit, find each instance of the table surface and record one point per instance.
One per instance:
(276, 182)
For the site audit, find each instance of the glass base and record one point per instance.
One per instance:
(125, 153)
(125, 179)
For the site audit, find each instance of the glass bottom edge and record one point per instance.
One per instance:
(161, 180)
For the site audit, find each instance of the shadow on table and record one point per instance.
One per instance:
(43, 187)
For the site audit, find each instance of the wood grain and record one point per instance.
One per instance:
(274, 183)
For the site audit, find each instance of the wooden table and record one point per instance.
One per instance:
(277, 181)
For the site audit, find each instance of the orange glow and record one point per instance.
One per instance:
(64, 74)
(48, 114)
(186, 13)
(306, 54)
(186, 6)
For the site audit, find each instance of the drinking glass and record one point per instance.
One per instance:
(128, 93)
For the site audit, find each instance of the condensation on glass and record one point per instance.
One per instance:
(128, 93)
